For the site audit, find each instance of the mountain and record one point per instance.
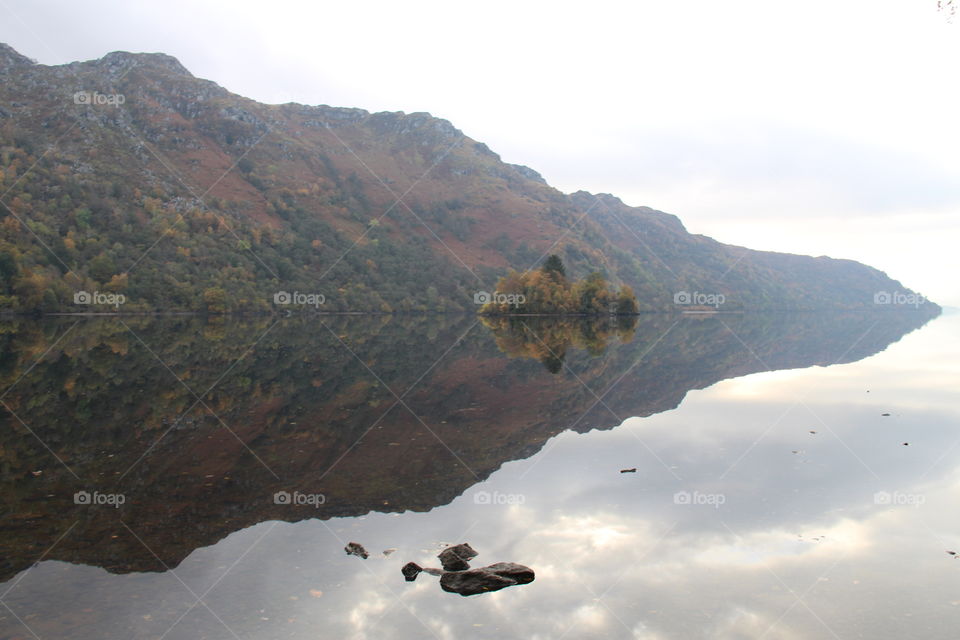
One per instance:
(131, 180)
(303, 412)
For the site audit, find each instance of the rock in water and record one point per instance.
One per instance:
(411, 570)
(492, 578)
(356, 549)
(457, 557)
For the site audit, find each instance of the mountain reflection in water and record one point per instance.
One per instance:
(199, 424)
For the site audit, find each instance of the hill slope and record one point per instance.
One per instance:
(129, 176)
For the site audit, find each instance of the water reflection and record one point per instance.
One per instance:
(389, 419)
(547, 339)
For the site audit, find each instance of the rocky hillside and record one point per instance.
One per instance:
(131, 180)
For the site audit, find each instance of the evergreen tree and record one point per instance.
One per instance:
(554, 265)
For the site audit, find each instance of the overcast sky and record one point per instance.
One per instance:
(817, 127)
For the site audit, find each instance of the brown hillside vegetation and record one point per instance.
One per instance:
(129, 176)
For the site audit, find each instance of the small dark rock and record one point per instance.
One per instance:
(492, 578)
(411, 570)
(457, 557)
(632, 470)
(356, 549)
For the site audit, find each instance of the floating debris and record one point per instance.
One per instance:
(387, 552)
(356, 549)
(884, 414)
(631, 470)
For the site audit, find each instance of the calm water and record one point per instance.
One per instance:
(771, 499)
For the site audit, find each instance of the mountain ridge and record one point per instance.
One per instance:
(136, 178)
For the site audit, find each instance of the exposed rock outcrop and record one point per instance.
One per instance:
(492, 578)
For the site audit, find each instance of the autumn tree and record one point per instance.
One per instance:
(627, 301)
(547, 291)
(215, 300)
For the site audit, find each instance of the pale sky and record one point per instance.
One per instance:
(821, 127)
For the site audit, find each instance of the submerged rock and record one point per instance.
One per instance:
(492, 578)
(411, 570)
(457, 557)
(356, 549)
